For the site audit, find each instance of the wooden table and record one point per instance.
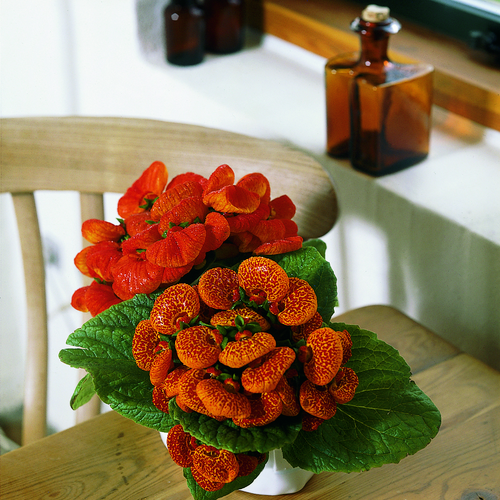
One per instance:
(110, 457)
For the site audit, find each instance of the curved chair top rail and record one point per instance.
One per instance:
(97, 155)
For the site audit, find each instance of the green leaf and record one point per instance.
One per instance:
(233, 438)
(308, 264)
(199, 493)
(388, 419)
(318, 244)
(83, 392)
(105, 351)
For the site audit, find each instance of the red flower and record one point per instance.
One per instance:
(144, 190)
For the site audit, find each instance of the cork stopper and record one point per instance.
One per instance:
(375, 14)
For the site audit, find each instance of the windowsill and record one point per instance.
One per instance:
(464, 85)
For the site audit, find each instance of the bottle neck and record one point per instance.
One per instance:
(374, 40)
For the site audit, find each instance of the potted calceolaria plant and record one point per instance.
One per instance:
(212, 324)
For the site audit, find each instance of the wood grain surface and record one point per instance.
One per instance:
(110, 457)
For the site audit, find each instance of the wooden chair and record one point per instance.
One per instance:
(98, 155)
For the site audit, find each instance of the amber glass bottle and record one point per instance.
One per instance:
(184, 32)
(378, 111)
(224, 26)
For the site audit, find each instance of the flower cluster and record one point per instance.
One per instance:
(168, 228)
(210, 467)
(246, 345)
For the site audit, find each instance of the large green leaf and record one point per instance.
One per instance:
(199, 493)
(308, 264)
(229, 436)
(105, 352)
(388, 419)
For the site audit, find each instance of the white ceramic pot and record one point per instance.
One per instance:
(277, 478)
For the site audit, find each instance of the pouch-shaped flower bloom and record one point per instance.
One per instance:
(242, 352)
(162, 364)
(261, 277)
(317, 400)
(181, 446)
(95, 298)
(95, 231)
(228, 318)
(291, 406)
(299, 305)
(214, 464)
(173, 196)
(218, 288)
(305, 329)
(323, 356)
(266, 408)
(147, 187)
(205, 483)
(178, 303)
(144, 343)
(221, 195)
(344, 385)
(265, 376)
(133, 274)
(222, 400)
(180, 247)
(198, 346)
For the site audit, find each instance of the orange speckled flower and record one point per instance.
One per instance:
(95, 231)
(242, 352)
(144, 343)
(261, 277)
(187, 397)
(299, 305)
(345, 338)
(304, 330)
(317, 400)
(162, 364)
(344, 385)
(310, 423)
(219, 466)
(265, 409)
(227, 318)
(291, 406)
(218, 288)
(205, 483)
(324, 356)
(147, 187)
(247, 464)
(178, 303)
(160, 399)
(170, 385)
(181, 446)
(221, 399)
(265, 377)
(198, 346)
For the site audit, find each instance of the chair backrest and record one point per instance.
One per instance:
(94, 156)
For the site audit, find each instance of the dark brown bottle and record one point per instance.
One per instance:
(378, 111)
(184, 32)
(224, 26)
